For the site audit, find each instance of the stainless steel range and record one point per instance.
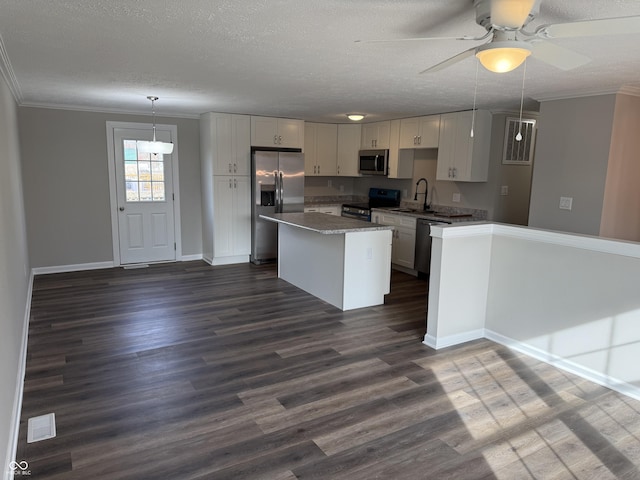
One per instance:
(378, 198)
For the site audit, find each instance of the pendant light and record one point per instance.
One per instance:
(154, 146)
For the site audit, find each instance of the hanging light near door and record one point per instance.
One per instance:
(154, 146)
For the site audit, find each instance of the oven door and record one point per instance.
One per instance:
(356, 213)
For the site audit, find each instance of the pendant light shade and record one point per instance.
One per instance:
(155, 146)
(502, 57)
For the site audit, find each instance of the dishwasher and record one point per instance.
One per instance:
(423, 245)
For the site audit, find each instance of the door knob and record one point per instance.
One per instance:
(121, 209)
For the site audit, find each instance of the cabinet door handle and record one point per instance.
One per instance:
(275, 139)
(455, 172)
(229, 168)
(279, 139)
(235, 168)
(230, 184)
(318, 169)
(235, 183)
(338, 169)
(315, 169)
(419, 139)
(415, 140)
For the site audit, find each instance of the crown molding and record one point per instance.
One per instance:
(586, 93)
(9, 75)
(80, 108)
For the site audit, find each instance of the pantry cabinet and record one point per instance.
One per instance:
(277, 132)
(232, 216)
(420, 132)
(321, 149)
(225, 161)
(461, 157)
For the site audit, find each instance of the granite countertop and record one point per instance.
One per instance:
(323, 223)
(445, 217)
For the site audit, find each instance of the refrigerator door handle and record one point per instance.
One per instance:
(281, 193)
(277, 192)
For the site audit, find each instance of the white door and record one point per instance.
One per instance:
(144, 189)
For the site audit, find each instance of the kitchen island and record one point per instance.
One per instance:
(342, 261)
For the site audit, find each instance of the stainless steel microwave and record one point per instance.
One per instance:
(373, 162)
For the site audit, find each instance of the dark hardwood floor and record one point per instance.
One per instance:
(186, 371)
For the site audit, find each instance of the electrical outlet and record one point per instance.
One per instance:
(329, 183)
(369, 253)
(566, 203)
(341, 188)
(456, 197)
(405, 193)
(504, 190)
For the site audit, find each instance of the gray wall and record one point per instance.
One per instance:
(66, 184)
(572, 153)
(14, 271)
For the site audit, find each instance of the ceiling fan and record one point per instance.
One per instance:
(510, 44)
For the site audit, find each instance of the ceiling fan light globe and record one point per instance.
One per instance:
(502, 59)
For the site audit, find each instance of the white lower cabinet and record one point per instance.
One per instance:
(404, 237)
(328, 210)
(232, 216)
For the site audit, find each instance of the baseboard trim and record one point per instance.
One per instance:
(451, 340)
(79, 267)
(566, 365)
(22, 370)
(230, 260)
(191, 258)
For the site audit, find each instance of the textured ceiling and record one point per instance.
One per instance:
(290, 58)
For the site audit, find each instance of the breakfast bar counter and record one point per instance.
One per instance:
(342, 261)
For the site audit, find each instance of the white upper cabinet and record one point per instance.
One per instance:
(321, 149)
(228, 144)
(349, 138)
(277, 132)
(462, 158)
(375, 135)
(400, 160)
(420, 132)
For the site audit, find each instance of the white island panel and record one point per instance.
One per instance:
(344, 262)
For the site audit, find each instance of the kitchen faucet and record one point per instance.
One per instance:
(426, 192)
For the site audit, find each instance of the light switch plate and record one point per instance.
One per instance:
(566, 203)
(504, 190)
(456, 197)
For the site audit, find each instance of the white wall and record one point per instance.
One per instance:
(14, 274)
(571, 160)
(567, 299)
(66, 184)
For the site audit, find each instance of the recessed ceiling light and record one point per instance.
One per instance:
(356, 117)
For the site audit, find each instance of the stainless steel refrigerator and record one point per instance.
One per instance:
(277, 187)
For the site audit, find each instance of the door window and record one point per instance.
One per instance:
(144, 174)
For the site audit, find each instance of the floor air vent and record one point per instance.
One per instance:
(41, 428)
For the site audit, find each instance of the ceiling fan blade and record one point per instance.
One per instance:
(421, 39)
(559, 57)
(451, 61)
(510, 13)
(588, 28)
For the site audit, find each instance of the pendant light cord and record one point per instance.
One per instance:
(153, 115)
(475, 95)
(524, 75)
